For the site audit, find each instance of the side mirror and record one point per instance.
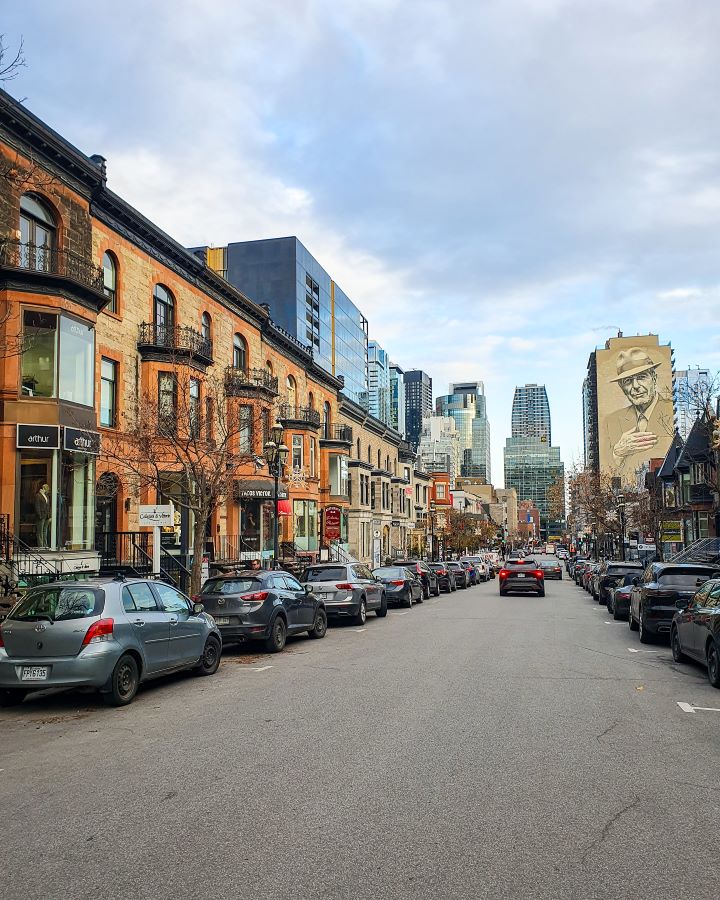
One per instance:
(682, 604)
(198, 608)
(636, 582)
(308, 588)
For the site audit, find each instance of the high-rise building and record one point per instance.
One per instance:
(303, 300)
(532, 465)
(591, 448)
(397, 398)
(378, 395)
(418, 403)
(690, 393)
(439, 447)
(465, 402)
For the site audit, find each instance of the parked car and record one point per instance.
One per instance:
(695, 630)
(521, 575)
(445, 577)
(586, 577)
(108, 634)
(401, 585)
(421, 568)
(347, 590)
(551, 569)
(259, 605)
(610, 574)
(461, 576)
(480, 565)
(653, 599)
(619, 602)
(578, 567)
(471, 571)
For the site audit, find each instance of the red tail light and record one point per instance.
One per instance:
(99, 631)
(503, 573)
(538, 573)
(397, 583)
(257, 597)
(195, 598)
(344, 587)
(2, 642)
(441, 571)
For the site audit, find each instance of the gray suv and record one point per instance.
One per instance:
(346, 589)
(108, 634)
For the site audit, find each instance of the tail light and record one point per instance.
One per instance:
(538, 573)
(345, 586)
(503, 573)
(196, 598)
(257, 597)
(397, 583)
(441, 571)
(2, 642)
(99, 631)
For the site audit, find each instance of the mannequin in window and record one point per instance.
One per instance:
(43, 512)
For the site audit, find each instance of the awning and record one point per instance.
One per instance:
(284, 508)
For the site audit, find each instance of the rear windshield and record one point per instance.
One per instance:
(59, 604)
(389, 572)
(549, 565)
(683, 578)
(229, 585)
(329, 573)
(436, 566)
(623, 570)
(521, 563)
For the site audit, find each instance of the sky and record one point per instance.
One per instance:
(499, 185)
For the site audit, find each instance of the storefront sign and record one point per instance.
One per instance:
(408, 492)
(671, 530)
(79, 441)
(89, 563)
(257, 489)
(333, 523)
(40, 437)
(155, 515)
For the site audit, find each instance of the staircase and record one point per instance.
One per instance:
(706, 550)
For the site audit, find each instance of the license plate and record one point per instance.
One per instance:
(35, 673)
(222, 620)
(520, 575)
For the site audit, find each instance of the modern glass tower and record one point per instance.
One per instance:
(418, 403)
(397, 398)
(465, 403)
(531, 412)
(378, 383)
(691, 389)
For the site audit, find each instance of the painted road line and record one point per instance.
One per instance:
(688, 707)
(401, 614)
(360, 630)
(633, 650)
(261, 668)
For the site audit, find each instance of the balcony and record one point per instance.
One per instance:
(336, 435)
(250, 383)
(301, 417)
(158, 342)
(27, 267)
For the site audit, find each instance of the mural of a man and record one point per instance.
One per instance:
(634, 430)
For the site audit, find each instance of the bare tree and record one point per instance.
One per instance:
(10, 65)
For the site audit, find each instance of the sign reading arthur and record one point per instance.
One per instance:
(635, 406)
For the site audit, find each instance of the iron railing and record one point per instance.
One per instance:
(16, 254)
(175, 338)
(239, 381)
(125, 549)
(342, 433)
(233, 548)
(174, 571)
(305, 414)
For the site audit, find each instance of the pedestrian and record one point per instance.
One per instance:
(254, 564)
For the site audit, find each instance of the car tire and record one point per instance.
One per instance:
(319, 629)
(615, 614)
(275, 641)
(382, 611)
(409, 599)
(210, 660)
(426, 591)
(12, 697)
(503, 593)
(437, 589)
(124, 682)
(631, 621)
(361, 615)
(644, 634)
(676, 647)
(541, 593)
(713, 664)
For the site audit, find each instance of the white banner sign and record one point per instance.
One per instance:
(157, 515)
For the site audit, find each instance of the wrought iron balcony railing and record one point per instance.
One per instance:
(16, 254)
(301, 415)
(242, 382)
(341, 433)
(169, 339)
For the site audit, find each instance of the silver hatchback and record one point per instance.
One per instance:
(107, 634)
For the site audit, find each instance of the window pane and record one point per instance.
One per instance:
(142, 597)
(109, 280)
(77, 357)
(76, 501)
(38, 358)
(108, 379)
(297, 451)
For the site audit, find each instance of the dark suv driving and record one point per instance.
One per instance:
(521, 575)
(431, 585)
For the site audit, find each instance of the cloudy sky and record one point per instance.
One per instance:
(499, 185)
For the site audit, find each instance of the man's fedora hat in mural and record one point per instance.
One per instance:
(633, 362)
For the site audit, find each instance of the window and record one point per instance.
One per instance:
(358, 449)
(239, 353)
(38, 358)
(37, 234)
(167, 401)
(379, 464)
(311, 400)
(109, 267)
(245, 434)
(305, 516)
(194, 407)
(440, 490)
(297, 451)
(338, 475)
(291, 393)
(172, 600)
(69, 348)
(269, 367)
(164, 313)
(138, 598)
(293, 584)
(326, 419)
(108, 392)
(312, 457)
(77, 362)
(206, 326)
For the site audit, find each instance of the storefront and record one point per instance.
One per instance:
(255, 497)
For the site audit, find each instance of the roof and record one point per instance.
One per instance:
(667, 469)
(697, 445)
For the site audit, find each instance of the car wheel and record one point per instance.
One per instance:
(408, 599)
(713, 664)
(631, 621)
(426, 591)
(437, 588)
(210, 660)
(275, 641)
(503, 593)
(676, 648)
(319, 629)
(361, 615)
(615, 614)
(644, 635)
(382, 612)
(11, 697)
(541, 593)
(124, 682)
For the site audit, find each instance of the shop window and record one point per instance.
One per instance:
(194, 407)
(305, 519)
(297, 451)
(77, 362)
(239, 353)
(108, 392)
(245, 430)
(109, 267)
(338, 475)
(39, 354)
(37, 498)
(37, 234)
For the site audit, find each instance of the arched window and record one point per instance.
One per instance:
(326, 419)
(291, 392)
(239, 352)
(109, 267)
(269, 367)
(37, 234)
(206, 326)
(164, 313)
(311, 400)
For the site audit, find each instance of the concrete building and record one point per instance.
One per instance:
(439, 446)
(378, 394)
(465, 403)
(418, 403)
(397, 399)
(508, 499)
(531, 412)
(690, 391)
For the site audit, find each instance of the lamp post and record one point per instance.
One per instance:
(276, 454)
(432, 530)
(620, 503)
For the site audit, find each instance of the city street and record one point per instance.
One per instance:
(474, 746)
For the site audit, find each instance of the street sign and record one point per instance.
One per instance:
(333, 523)
(157, 515)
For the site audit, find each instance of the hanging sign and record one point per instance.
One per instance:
(78, 440)
(333, 523)
(40, 437)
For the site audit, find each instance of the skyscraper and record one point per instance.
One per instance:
(439, 447)
(378, 382)
(690, 391)
(397, 398)
(465, 402)
(531, 463)
(418, 403)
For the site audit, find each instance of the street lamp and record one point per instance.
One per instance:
(276, 454)
(620, 503)
(432, 530)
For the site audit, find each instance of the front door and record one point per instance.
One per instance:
(186, 631)
(306, 601)
(149, 623)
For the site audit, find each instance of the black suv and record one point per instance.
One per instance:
(695, 630)
(611, 574)
(653, 600)
(429, 579)
(256, 605)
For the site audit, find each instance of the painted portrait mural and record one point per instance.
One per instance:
(635, 405)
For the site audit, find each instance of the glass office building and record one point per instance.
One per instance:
(378, 382)
(466, 404)
(397, 398)
(418, 403)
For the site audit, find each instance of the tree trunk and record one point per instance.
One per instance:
(198, 552)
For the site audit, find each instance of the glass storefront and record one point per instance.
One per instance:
(58, 364)
(305, 520)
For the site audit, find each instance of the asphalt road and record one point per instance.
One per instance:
(472, 747)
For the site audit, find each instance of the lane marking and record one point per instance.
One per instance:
(359, 630)
(401, 614)
(261, 668)
(688, 707)
(633, 650)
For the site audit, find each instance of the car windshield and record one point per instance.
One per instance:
(548, 565)
(623, 570)
(324, 573)
(683, 578)
(389, 572)
(58, 604)
(229, 585)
